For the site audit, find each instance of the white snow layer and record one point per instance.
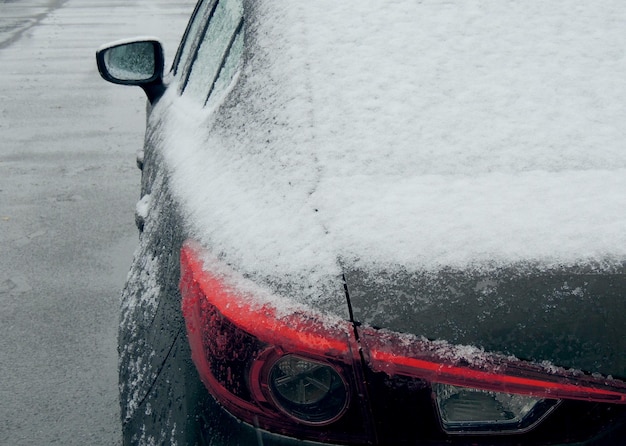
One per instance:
(430, 134)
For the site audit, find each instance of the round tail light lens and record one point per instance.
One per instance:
(309, 391)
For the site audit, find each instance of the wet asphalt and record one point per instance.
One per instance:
(68, 188)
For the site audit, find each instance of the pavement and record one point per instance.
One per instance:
(68, 188)
(16, 17)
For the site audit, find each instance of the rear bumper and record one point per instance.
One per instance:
(226, 430)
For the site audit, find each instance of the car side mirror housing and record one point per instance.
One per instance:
(136, 62)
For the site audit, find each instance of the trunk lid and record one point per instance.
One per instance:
(571, 317)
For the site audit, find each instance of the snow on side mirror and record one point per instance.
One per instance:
(136, 62)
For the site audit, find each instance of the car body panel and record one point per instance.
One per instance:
(300, 144)
(466, 187)
(567, 317)
(529, 209)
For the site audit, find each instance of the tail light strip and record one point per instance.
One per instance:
(298, 330)
(305, 333)
(495, 372)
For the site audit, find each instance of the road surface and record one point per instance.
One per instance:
(68, 187)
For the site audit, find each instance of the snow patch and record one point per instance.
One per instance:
(426, 134)
(142, 207)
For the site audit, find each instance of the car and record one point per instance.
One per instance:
(379, 224)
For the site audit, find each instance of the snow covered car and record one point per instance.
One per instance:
(394, 224)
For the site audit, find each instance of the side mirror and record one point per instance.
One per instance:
(136, 62)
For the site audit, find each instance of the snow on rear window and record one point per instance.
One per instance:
(431, 134)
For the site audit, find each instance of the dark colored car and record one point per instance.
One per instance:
(386, 224)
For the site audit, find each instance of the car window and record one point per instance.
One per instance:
(229, 68)
(219, 51)
(192, 35)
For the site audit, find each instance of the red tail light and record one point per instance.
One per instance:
(441, 363)
(303, 374)
(481, 393)
(287, 373)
